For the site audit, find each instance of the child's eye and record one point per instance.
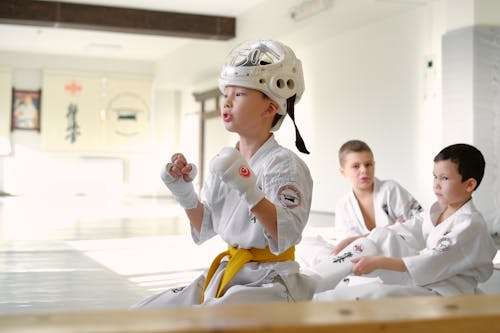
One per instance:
(240, 93)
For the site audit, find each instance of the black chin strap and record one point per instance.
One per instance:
(290, 109)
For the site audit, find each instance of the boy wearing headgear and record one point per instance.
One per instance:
(257, 195)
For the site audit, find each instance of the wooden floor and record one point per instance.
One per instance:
(81, 253)
(84, 253)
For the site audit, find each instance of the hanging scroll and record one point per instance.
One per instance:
(93, 112)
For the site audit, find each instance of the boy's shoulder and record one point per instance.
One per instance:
(467, 216)
(387, 183)
(346, 199)
(391, 187)
(276, 152)
(468, 208)
(278, 160)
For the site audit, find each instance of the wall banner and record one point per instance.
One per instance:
(94, 112)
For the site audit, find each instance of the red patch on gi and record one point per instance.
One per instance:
(358, 248)
(244, 172)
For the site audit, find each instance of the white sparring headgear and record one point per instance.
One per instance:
(268, 66)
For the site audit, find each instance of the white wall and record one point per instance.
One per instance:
(367, 85)
(471, 105)
(470, 92)
(30, 169)
(367, 77)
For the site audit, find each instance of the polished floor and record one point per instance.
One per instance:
(83, 253)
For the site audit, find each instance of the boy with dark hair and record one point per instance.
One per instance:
(445, 251)
(257, 195)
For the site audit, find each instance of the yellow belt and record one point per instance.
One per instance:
(237, 258)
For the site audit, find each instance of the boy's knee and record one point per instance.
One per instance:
(379, 234)
(392, 243)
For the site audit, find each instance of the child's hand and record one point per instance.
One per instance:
(365, 265)
(234, 170)
(180, 167)
(178, 176)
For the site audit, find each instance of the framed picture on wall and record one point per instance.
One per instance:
(26, 109)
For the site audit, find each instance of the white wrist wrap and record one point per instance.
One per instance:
(232, 168)
(183, 191)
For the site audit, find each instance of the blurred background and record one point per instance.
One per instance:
(90, 112)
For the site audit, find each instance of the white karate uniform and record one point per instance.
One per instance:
(286, 181)
(450, 258)
(390, 202)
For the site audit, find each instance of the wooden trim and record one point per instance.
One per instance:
(201, 146)
(211, 114)
(205, 114)
(203, 96)
(475, 314)
(116, 19)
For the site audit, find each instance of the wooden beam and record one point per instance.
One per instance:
(116, 19)
(211, 114)
(209, 94)
(205, 114)
(459, 314)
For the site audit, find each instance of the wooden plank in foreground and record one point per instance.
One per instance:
(474, 314)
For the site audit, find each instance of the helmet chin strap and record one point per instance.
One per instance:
(290, 109)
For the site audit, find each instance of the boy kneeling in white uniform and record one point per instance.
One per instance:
(257, 195)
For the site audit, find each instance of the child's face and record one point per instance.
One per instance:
(246, 110)
(449, 187)
(359, 169)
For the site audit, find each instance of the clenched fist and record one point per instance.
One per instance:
(178, 176)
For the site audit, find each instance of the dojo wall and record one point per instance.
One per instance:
(380, 81)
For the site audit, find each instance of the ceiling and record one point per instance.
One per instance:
(30, 39)
(86, 43)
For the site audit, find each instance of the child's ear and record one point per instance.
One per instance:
(471, 184)
(272, 108)
(342, 171)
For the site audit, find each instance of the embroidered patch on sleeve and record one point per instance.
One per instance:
(289, 196)
(358, 248)
(443, 244)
